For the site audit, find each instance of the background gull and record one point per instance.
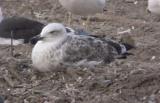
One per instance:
(154, 6)
(57, 48)
(23, 29)
(83, 7)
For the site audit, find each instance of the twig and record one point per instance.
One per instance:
(12, 43)
(15, 74)
(8, 80)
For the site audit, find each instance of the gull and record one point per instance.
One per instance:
(83, 7)
(17, 30)
(154, 6)
(58, 48)
(22, 28)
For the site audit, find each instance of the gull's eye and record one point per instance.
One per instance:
(52, 32)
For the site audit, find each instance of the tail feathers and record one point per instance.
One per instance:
(123, 51)
(121, 48)
(118, 47)
(128, 42)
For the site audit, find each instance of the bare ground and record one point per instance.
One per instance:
(132, 80)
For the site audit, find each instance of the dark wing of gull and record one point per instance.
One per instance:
(22, 28)
(121, 47)
(79, 48)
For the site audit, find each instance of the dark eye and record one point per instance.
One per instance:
(55, 31)
(52, 32)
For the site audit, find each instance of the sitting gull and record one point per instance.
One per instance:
(23, 29)
(83, 7)
(58, 48)
(154, 6)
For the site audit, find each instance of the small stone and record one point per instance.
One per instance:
(153, 58)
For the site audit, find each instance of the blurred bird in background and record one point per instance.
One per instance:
(83, 8)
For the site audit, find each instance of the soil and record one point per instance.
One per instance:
(135, 79)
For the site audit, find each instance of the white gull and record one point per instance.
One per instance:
(58, 48)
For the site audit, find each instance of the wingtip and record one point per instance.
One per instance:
(128, 42)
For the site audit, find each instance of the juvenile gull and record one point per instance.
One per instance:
(83, 7)
(154, 6)
(57, 48)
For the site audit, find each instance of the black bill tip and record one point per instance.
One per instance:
(35, 39)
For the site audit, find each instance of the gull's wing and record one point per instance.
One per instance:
(80, 47)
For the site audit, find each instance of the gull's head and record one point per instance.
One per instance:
(53, 29)
(51, 32)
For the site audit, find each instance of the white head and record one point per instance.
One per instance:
(52, 32)
(154, 6)
(1, 15)
(51, 36)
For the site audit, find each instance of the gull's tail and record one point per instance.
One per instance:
(121, 48)
(128, 42)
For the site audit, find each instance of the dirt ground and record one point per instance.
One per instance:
(132, 80)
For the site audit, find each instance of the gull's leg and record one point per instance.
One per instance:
(11, 43)
(66, 17)
(69, 18)
(87, 22)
